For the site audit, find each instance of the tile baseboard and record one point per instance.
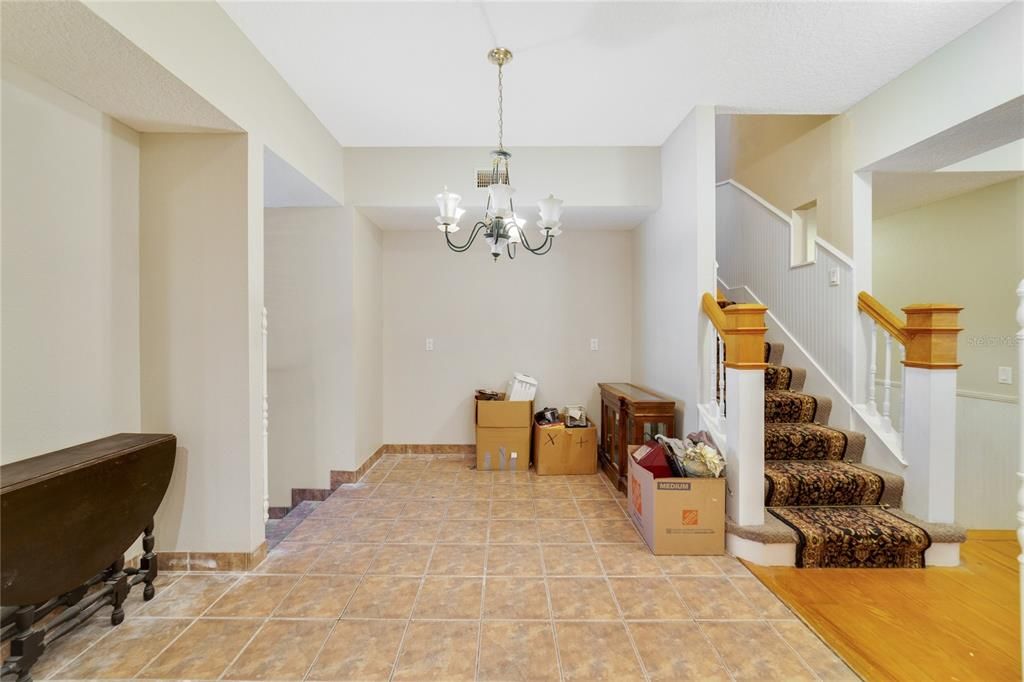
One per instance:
(212, 561)
(431, 449)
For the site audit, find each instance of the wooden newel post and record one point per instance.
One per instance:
(743, 333)
(929, 410)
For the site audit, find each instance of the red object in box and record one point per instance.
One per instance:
(654, 460)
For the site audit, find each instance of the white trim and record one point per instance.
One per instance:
(774, 209)
(942, 554)
(981, 395)
(761, 553)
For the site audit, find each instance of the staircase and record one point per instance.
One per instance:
(837, 511)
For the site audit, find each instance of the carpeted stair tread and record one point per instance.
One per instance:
(773, 351)
(939, 532)
(772, 532)
(787, 440)
(854, 537)
(795, 483)
(793, 406)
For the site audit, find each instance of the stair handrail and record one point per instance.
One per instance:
(876, 310)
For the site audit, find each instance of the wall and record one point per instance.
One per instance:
(308, 295)
(367, 338)
(673, 265)
(70, 285)
(968, 250)
(198, 293)
(490, 319)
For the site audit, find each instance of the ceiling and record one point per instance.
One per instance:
(895, 192)
(584, 73)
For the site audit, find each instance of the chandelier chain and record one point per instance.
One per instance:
(501, 131)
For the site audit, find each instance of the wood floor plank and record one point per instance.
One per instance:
(896, 624)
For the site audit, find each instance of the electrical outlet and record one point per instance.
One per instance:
(1006, 375)
(595, 344)
(430, 344)
(833, 277)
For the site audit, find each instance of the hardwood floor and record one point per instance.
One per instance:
(901, 624)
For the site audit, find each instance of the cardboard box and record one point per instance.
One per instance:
(559, 451)
(677, 515)
(504, 414)
(502, 448)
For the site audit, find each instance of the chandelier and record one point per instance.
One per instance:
(501, 226)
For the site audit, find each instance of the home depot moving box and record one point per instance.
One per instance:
(677, 515)
(503, 434)
(558, 450)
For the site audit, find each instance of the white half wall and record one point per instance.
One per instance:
(986, 462)
(490, 319)
(70, 243)
(673, 265)
(200, 288)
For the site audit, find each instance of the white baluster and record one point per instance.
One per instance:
(720, 375)
(903, 392)
(1020, 441)
(872, 368)
(887, 383)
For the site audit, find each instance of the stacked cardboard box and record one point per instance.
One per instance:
(558, 450)
(503, 434)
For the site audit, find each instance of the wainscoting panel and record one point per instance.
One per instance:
(986, 463)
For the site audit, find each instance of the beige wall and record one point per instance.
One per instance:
(70, 286)
(309, 347)
(198, 288)
(367, 337)
(488, 320)
(968, 250)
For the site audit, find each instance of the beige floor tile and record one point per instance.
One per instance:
(352, 559)
(815, 654)
(648, 599)
(281, 650)
(64, 650)
(505, 491)
(593, 652)
(731, 565)
(317, 530)
(403, 476)
(677, 651)
(612, 530)
(135, 602)
(521, 560)
(688, 565)
(582, 599)
(552, 491)
(474, 477)
(754, 651)
(473, 510)
(382, 596)
(438, 477)
(405, 532)
(512, 477)
(336, 507)
(253, 597)
(596, 491)
(515, 599)
(628, 560)
(508, 531)
(443, 597)
(204, 650)
(427, 509)
(517, 651)
(382, 509)
(401, 560)
(600, 509)
(438, 650)
(433, 491)
(189, 596)
(359, 650)
(318, 596)
(457, 560)
(768, 605)
(460, 530)
(571, 560)
(362, 530)
(512, 509)
(714, 598)
(387, 490)
(556, 509)
(290, 557)
(562, 530)
(134, 644)
(412, 464)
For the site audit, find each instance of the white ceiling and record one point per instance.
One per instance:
(574, 218)
(895, 192)
(584, 73)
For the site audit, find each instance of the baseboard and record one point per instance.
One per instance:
(430, 449)
(761, 553)
(212, 561)
(278, 512)
(341, 477)
(942, 554)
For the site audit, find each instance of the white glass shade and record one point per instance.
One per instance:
(550, 211)
(501, 199)
(448, 205)
(515, 228)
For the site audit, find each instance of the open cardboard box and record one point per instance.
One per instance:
(558, 450)
(677, 515)
(503, 434)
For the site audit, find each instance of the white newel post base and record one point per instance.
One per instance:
(929, 443)
(744, 454)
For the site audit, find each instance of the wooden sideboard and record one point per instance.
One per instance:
(630, 415)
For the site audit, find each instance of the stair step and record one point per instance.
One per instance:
(796, 483)
(782, 378)
(792, 406)
(854, 537)
(811, 442)
(773, 351)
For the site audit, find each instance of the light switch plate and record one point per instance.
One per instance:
(595, 344)
(1006, 375)
(833, 277)
(429, 344)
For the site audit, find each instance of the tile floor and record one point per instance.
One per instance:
(430, 570)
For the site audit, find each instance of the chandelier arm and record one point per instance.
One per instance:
(510, 249)
(544, 247)
(457, 248)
